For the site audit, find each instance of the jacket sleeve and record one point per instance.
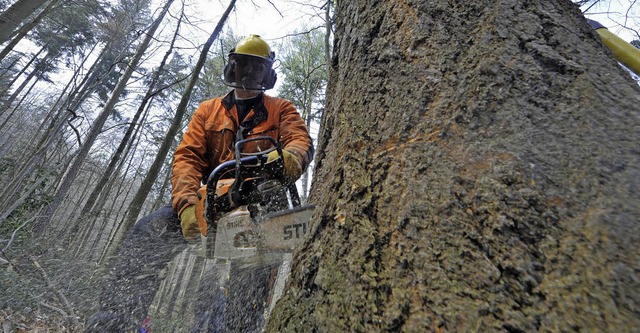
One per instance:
(294, 135)
(189, 162)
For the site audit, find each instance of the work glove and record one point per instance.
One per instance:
(292, 168)
(189, 224)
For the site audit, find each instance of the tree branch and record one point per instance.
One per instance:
(13, 235)
(69, 309)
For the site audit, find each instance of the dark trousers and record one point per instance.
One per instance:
(133, 277)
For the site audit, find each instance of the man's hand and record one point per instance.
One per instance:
(189, 224)
(292, 168)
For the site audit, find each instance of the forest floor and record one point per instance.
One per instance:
(36, 294)
(28, 320)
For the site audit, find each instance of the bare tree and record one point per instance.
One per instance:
(622, 13)
(15, 15)
(136, 123)
(96, 127)
(138, 200)
(24, 29)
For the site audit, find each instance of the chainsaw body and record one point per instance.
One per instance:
(240, 235)
(249, 209)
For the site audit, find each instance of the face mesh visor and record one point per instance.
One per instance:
(249, 72)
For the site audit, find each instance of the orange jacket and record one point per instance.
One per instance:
(211, 135)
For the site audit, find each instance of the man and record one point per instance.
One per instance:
(209, 140)
(243, 113)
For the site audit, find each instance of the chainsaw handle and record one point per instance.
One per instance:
(247, 165)
(242, 159)
(238, 152)
(275, 145)
(224, 167)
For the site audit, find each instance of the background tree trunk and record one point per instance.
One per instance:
(131, 132)
(26, 28)
(141, 194)
(74, 168)
(478, 170)
(15, 15)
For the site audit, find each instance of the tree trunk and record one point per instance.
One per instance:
(14, 108)
(96, 127)
(20, 200)
(166, 185)
(141, 195)
(328, 26)
(118, 232)
(151, 91)
(24, 30)
(53, 123)
(7, 69)
(22, 71)
(305, 176)
(15, 15)
(6, 106)
(478, 170)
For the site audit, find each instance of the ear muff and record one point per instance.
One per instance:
(270, 81)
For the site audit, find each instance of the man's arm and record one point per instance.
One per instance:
(189, 162)
(294, 135)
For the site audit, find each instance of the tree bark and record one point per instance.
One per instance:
(24, 30)
(328, 26)
(478, 170)
(15, 15)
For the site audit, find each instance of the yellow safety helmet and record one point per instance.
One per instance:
(250, 65)
(254, 45)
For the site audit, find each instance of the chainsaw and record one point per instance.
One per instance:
(251, 221)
